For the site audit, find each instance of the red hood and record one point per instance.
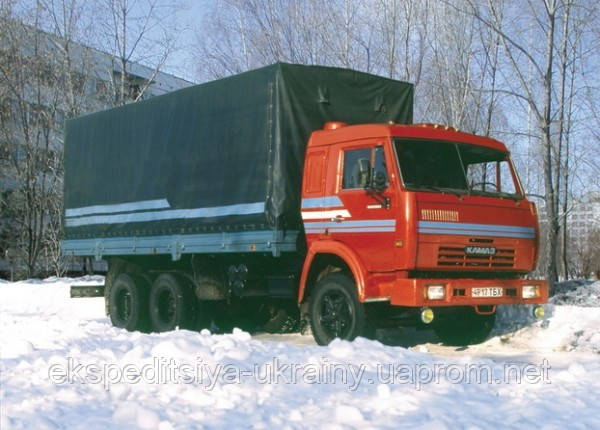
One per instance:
(447, 224)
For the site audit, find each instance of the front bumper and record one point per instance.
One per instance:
(412, 292)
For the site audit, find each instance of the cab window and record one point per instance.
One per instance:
(379, 167)
(359, 165)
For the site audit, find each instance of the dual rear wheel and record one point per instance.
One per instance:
(128, 302)
(167, 304)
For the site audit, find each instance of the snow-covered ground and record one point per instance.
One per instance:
(62, 365)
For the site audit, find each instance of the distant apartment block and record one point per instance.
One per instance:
(583, 218)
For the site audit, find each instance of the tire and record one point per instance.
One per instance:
(128, 302)
(334, 310)
(115, 268)
(463, 326)
(171, 303)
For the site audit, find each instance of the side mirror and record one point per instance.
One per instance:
(378, 181)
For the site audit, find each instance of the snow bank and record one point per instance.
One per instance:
(63, 365)
(572, 321)
(579, 293)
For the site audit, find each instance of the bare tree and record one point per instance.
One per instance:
(240, 35)
(70, 23)
(31, 104)
(47, 76)
(565, 111)
(520, 58)
(73, 64)
(140, 31)
(587, 254)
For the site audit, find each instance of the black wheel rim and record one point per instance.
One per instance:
(166, 306)
(124, 305)
(335, 314)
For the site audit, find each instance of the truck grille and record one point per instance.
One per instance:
(449, 256)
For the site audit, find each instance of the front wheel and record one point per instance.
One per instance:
(463, 326)
(335, 311)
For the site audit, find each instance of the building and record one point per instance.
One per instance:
(583, 235)
(39, 62)
(583, 219)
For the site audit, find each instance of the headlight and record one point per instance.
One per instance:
(530, 291)
(436, 292)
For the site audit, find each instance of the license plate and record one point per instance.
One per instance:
(486, 292)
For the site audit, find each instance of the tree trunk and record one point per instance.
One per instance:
(551, 195)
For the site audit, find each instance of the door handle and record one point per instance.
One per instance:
(338, 218)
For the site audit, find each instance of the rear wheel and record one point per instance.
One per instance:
(335, 311)
(128, 302)
(171, 303)
(463, 326)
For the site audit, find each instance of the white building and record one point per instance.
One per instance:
(583, 218)
(96, 76)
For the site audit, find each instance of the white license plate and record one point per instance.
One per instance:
(486, 292)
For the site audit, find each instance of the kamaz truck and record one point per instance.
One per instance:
(298, 189)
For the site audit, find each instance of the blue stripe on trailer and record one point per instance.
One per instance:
(239, 209)
(118, 207)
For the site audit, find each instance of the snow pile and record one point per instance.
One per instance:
(572, 320)
(63, 366)
(580, 293)
(565, 328)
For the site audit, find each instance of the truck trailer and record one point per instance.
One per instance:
(301, 189)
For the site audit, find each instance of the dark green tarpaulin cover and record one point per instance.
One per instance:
(222, 156)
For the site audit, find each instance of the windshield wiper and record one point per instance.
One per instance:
(443, 190)
(515, 197)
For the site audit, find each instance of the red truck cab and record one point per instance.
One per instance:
(420, 217)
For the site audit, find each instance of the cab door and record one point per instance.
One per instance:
(370, 225)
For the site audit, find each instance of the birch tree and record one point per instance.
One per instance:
(521, 59)
(142, 31)
(31, 102)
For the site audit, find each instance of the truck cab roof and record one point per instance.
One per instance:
(338, 132)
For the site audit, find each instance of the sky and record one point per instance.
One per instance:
(181, 63)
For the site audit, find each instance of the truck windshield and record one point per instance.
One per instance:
(438, 166)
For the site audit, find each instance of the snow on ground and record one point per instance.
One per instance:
(572, 323)
(62, 365)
